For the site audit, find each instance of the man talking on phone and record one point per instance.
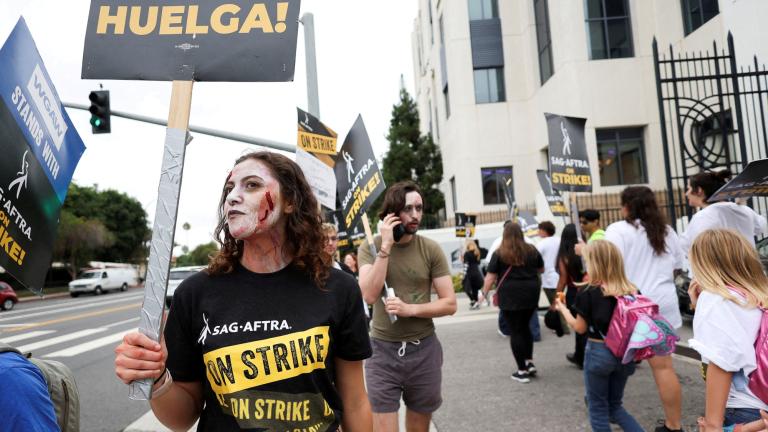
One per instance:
(407, 356)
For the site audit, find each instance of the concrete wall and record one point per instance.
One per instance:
(609, 93)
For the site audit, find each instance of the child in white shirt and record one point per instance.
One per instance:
(729, 290)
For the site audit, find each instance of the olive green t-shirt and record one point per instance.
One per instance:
(411, 268)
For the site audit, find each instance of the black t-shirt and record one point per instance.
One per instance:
(596, 309)
(263, 346)
(521, 288)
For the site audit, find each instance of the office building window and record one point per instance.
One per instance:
(489, 85)
(697, 12)
(483, 9)
(494, 179)
(609, 29)
(447, 102)
(543, 39)
(621, 155)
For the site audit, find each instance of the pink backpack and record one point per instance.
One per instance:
(637, 331)
(758, 379)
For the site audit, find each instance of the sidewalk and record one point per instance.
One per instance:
(478, 394)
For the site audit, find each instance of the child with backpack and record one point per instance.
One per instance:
(605, 376)
(730, 294)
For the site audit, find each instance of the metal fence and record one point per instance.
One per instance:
(712, 115)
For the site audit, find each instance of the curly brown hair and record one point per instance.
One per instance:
(303, 227)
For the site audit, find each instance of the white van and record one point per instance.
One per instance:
(98, 281)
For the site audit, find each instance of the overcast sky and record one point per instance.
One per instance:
(363, 46)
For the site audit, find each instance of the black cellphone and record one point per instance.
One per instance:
(398, 232)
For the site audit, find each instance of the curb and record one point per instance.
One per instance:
(45, 296)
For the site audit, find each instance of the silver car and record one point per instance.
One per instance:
(177, 275)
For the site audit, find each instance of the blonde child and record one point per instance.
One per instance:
(729, 288)
(604, 375)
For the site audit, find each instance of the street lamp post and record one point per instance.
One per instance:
(313, 100)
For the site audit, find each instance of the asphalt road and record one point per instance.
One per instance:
(477, 391)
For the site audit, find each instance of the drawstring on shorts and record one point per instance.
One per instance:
(401, 350)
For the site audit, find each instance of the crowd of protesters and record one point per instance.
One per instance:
(641, 254)
(278, 260)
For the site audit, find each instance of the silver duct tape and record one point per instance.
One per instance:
(161, 248)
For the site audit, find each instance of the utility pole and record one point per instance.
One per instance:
(313, 99)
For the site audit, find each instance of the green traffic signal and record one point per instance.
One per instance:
(100, 112)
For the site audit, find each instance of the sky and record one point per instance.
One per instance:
(363, 47)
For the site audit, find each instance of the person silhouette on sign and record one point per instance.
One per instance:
(566, 140)
(350, 170)
(21, 181)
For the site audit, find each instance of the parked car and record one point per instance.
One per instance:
(7, 296)
(98, 281)
(176, 276)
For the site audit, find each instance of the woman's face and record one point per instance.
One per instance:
(695, 197)
(253, 203)
(350, 262)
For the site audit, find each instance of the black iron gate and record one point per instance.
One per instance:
(713, 116)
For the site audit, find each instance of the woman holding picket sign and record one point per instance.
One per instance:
(652, 254)
(269, 336)
(604, 374)
(729, 291)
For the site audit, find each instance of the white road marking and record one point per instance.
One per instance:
(30, 335)
(92, 345)
(60, 339)
(63, 308)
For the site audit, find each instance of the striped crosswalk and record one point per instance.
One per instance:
(39, 341)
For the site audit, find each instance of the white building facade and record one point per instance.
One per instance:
(487, 71)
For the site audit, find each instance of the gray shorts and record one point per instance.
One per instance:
(411, 370)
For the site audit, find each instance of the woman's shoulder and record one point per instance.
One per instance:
(341, 282)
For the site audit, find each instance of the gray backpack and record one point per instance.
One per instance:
(62, 388)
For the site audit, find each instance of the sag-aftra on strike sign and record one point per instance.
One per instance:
(225, 40)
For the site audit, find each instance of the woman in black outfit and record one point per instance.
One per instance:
(515, 267)
(473, 278)
(571, 271)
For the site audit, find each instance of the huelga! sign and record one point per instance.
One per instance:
(213, 40)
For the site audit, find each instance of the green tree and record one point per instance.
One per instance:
(412, 156)
(198, 256)
(121, 215)
(78, 240)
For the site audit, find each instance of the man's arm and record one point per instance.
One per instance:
(372, 276)
(444, 305)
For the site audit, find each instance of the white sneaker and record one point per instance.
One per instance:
(521, 376)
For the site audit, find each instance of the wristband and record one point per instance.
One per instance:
(164, 387)
(382, 254)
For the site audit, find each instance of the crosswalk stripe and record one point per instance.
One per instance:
(60, 339)
(59, 308)
(91, 345)
(30, 335)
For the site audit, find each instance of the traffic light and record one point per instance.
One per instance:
(100, 111)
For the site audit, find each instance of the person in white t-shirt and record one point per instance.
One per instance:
(548, 247)
(721, 214)
(652, 254)
(729, 288)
